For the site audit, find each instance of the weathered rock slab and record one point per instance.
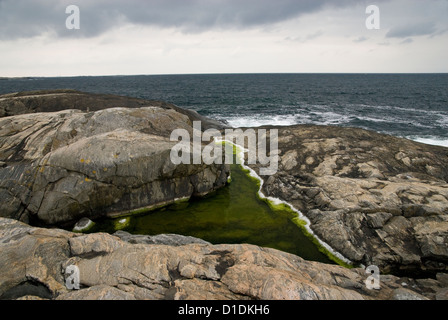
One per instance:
(65, 165)
(374, 198)
(34, 261)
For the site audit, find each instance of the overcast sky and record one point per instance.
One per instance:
(221, 36)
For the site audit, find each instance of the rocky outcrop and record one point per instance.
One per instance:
(17, 103)
(375, 198)
(167, 239)
(61, 166)
(34, 262)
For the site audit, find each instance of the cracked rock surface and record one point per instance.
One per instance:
(375, 198)
(60, 166)
(34, 260)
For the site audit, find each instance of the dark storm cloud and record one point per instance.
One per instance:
(25, 18)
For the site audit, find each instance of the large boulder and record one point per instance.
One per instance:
(37, 263)
(16, 103)
(61, 166)
(375, 198)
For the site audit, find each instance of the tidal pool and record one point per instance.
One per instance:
(232, 214)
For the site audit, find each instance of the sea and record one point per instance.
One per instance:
(413, 106)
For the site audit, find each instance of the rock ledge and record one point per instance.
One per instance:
(33, 262)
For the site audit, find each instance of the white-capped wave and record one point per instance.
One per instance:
(435, 141)
(443, 120)
(327, 118)
(254, 121)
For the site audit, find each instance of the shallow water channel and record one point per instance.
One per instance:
(232, 214)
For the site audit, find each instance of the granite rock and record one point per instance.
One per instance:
(34, 262)
(375, 198)
(65, 165)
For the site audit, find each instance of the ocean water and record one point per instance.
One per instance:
(414, 106)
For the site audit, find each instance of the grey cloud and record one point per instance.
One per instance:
(412, 30)
(314, 35)
(360, 39)
(307, 38)
(407, 41)
(24, 18)
(439, 33)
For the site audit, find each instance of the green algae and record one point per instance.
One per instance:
(236, 213)
(122, 223)
(86, 229)
(232, 214)
(300, 223)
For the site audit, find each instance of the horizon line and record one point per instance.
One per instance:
(229, 73)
